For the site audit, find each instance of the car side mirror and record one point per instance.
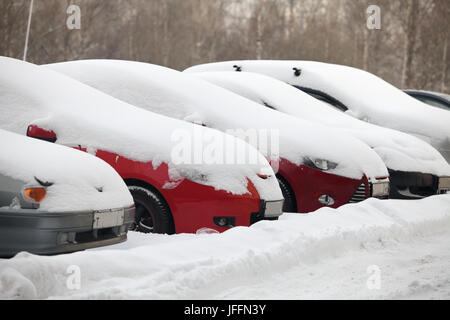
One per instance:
(36, 132)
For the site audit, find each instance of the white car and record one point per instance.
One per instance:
(316, 165)
(55, 199)
(416, 168)
(177, 184)
(355, 92)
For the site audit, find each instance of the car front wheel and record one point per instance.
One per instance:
(152, 213)
(290, 203)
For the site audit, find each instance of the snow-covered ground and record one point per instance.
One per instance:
(374, 249)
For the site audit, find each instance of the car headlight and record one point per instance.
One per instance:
(320, 164)
(34, 194)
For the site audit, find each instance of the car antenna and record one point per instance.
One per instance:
(238, 68)
(297, 72)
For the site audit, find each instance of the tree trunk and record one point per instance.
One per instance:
(410, 42)
(444, 65)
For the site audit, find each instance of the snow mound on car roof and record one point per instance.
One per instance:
(182, 96)
(367, 96)
(75, 175)
(196, 266)
(398, 150)
(81, 115)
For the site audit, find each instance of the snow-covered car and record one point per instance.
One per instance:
(316, 166)
(55, 199)
(356, 92)
(172, 194)
(435, 99)
(416, 168)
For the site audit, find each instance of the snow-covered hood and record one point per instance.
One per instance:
(77, 177)
(399, 151)
(367, 96)
(81, 115)
(186, 97)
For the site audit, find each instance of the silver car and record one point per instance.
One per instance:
(55, 199)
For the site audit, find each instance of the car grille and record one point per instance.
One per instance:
(359, 195)
(96, 235)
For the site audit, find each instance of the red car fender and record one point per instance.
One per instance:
(309, 184)
(193, 205)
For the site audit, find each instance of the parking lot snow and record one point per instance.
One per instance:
(319, 255)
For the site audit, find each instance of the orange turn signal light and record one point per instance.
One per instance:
(35, 194)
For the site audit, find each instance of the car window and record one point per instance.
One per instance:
(322, 96)
(433, 102)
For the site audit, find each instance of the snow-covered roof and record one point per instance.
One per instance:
(398, 150)
(367, 96)
(75, 175)
(186, 97)
(79, 114)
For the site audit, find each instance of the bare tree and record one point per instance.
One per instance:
(411, 49)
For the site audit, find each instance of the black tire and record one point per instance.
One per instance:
(152, 213)
(290, 203)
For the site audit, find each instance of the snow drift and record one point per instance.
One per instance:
(186, 266)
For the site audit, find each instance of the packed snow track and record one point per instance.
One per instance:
(374, 249)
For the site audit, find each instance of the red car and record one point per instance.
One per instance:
(317, 167)
(169, 197)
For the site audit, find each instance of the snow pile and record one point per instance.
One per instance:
(81, 115)
(190, 266)
(368, 97)
(75, 175)
(185, 97)
(398, 150)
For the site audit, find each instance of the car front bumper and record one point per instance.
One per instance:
(272, 209)
(269, 210)
(59, 232)
(416, 185)
(443, 185)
